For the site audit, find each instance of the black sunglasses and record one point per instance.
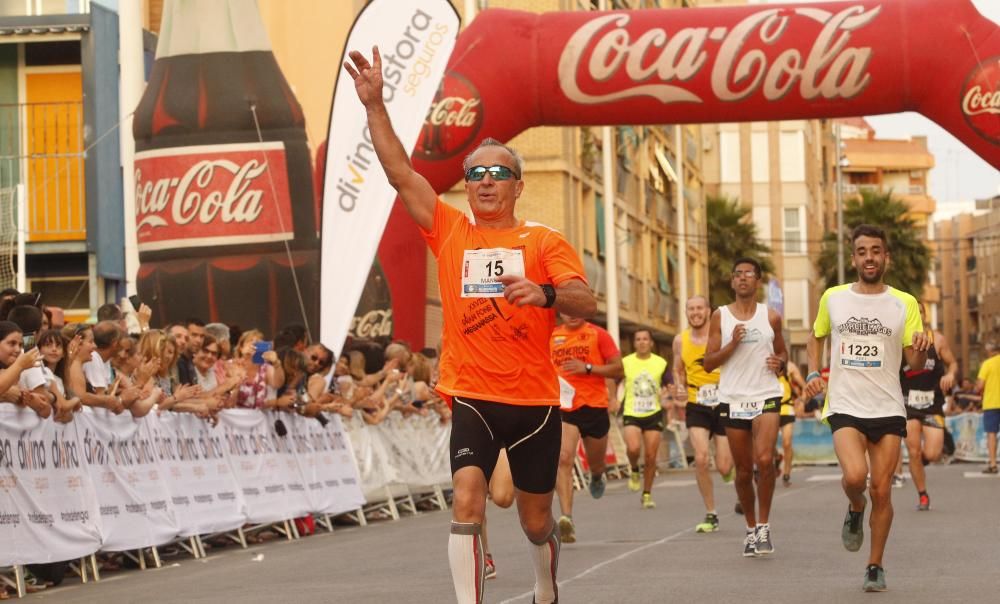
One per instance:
(477, 173)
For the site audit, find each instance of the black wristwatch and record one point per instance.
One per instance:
(550, 295)
(589, 368)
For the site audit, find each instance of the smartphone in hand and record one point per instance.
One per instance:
(259, 348)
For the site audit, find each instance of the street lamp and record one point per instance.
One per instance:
(841, 163)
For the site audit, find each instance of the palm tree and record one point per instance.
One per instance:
(731, 235)
(909, 256)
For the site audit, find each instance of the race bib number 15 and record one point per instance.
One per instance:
(482, 269)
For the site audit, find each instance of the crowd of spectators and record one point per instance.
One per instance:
(122, 364)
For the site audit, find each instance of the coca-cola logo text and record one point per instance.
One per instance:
(212, 195)
(453, 120)
(372, 324)
(603, 48)
(981, 100)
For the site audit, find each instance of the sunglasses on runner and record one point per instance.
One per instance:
(477, 173)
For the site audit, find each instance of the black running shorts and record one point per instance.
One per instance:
(771, 405)
(531, 435)
(593, 422)
(785, 420)
(874, 428)
(654, 422)
(710, 418)
(931, 420)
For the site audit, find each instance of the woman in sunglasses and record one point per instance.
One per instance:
(501, 281)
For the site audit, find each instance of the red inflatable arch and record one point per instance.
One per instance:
(513, 70)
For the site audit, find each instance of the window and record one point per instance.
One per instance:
(793, 157)
(796, 303)
(794, 230)
(729, 156)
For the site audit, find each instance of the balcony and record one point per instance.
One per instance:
(41, 146)
(35, 8)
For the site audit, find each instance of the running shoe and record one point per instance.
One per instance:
(647, 501)
(762, 540)
(990, 470)
(898, 481)
(490, 568)
(597, 484)
(749, 545)
(567, 532)
(853, 533)
(729, 476)
(634, 481)
(786, 479)
(874, 578)
(925, 503)
(709, 525)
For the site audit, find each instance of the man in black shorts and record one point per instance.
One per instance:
(586, 357)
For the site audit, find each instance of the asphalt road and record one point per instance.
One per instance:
(623, 554)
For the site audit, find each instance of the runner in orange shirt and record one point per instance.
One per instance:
(586, 357)
(501, 280)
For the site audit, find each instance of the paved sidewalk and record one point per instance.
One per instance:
(623, 554)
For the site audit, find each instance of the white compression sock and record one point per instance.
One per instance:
(545, 556)
(466, 558)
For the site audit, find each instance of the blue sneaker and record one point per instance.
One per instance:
(597, 484)
(874, 578)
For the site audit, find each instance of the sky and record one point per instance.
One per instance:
(960, 176)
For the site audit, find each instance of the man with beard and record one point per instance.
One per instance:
(873, 328)
(645, 377)
(585, 356)
(705, 416)
(745, 340)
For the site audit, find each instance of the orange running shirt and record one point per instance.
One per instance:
(590, 344)
(490, 349)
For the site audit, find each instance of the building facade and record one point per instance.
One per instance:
(957, 265)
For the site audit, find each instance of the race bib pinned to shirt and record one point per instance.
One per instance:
(862, 353)
(746, 409)
(566, 394)
(708, 395)
(920, 399)
(482, 269)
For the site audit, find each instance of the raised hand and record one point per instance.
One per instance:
(367, 76)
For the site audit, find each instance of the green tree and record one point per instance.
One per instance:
(909, 256)
(731, 235)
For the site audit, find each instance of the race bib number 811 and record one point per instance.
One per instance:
(482, 269)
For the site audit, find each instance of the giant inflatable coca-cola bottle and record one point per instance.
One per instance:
(223, 175)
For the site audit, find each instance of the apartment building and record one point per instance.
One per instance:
(782, 171)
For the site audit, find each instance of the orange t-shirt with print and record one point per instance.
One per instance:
(590, 344)
(490, 349)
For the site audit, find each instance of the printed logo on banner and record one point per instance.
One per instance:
(212, 195)
(981, 99)
(453, 121)
(604, 61)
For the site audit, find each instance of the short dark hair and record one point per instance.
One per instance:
(869, 230)
(194, 321)
(9, 291)
(640, 330)
(106, 334)
(28, 318)
(109, 312)
(752, 262)
(290, 335)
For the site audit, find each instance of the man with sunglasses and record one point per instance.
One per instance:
(501, 280)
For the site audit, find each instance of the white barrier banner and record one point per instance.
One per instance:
(193, 459)
(134, 503)
(418, 446)
(970, 438)
(48, 507)
(272, 488)
(327, 464)
(374, 463)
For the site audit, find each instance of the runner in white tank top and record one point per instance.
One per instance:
(745, 341)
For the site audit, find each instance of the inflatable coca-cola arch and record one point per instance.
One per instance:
(513, 70)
